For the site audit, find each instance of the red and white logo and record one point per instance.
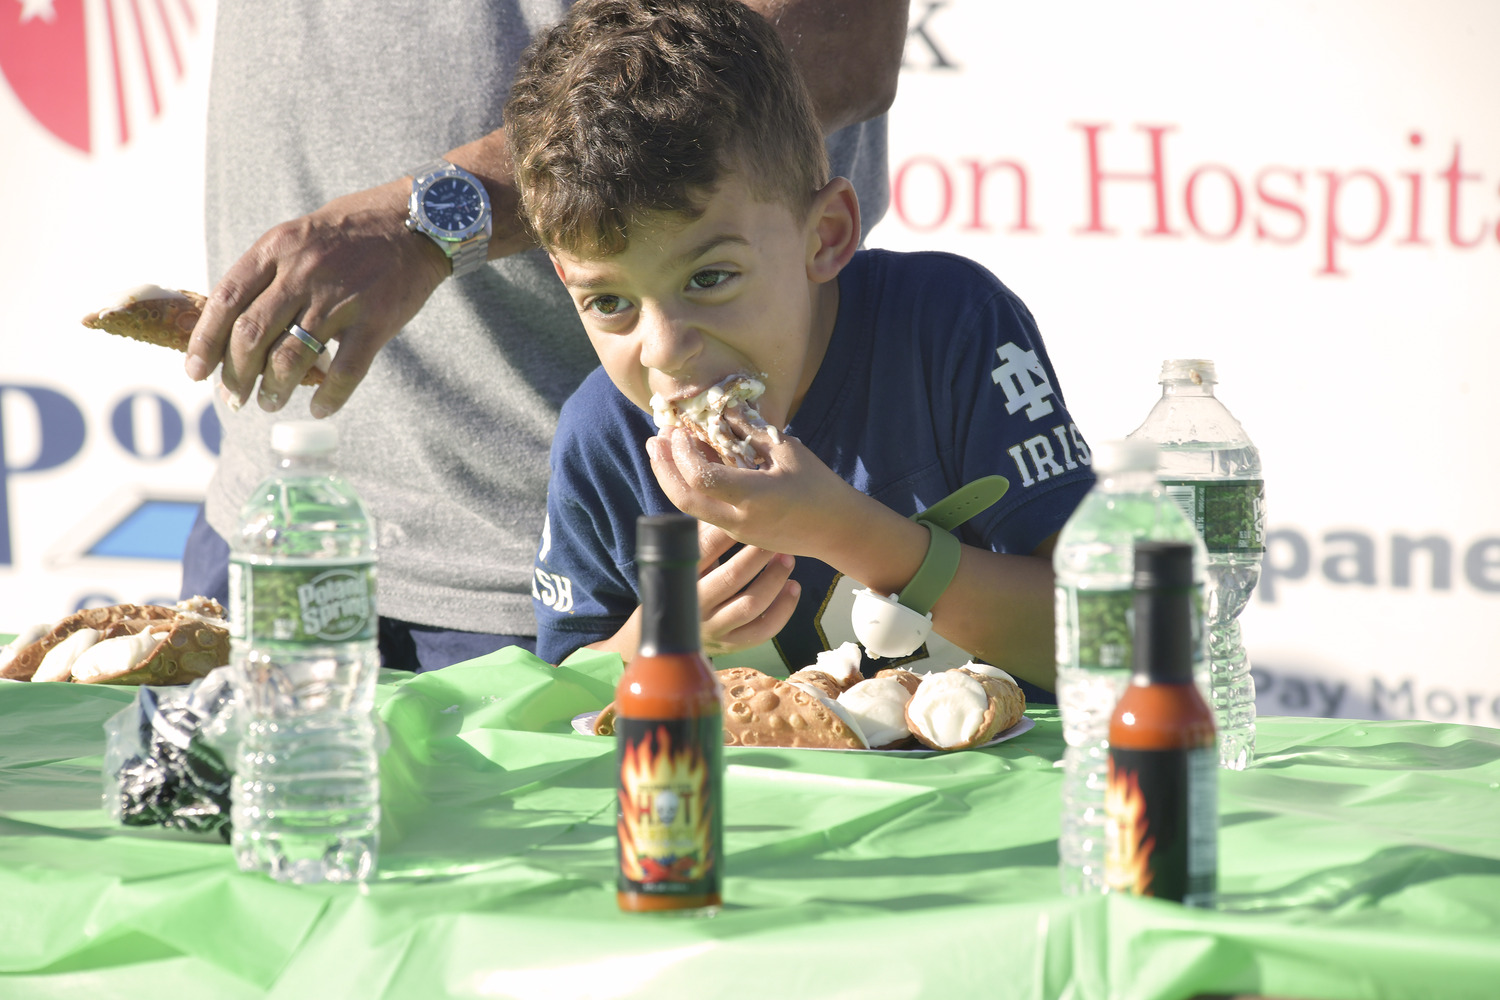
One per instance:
(91, 70)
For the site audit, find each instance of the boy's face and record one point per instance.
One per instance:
(692, 301)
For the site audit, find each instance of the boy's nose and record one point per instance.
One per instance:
(667, 342)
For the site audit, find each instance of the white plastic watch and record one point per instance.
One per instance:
(449, 206)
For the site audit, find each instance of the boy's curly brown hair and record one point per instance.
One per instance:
(635, 106)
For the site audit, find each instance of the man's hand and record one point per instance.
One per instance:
(349, 271)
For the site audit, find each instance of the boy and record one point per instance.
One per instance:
(669, 160)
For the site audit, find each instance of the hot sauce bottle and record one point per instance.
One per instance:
(670, 735)
(1161, 798)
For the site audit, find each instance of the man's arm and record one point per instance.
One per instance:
(351, 271)
(849, 52)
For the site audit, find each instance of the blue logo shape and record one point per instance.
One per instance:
(155, 529)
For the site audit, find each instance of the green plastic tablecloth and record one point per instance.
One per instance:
(1357, 860)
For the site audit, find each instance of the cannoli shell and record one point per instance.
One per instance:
(818, 679)
(1006, 706)
(164, 321)
(189, 649)
(30, 657)
(762, 711)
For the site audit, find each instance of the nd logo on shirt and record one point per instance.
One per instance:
(1023, 379)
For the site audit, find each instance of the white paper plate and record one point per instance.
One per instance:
(584, 724)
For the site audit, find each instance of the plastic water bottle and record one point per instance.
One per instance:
(306, 790)
(1094, 564)
(1210, 467)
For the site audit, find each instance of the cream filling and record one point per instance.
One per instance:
(880, 706)
(57, 665)
(842, 664)
(115, 656)
(842, 712)
(948, 707)
(147, 293)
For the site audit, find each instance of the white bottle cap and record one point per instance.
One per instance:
(1198, 371)
(1124, 455)
(304, 437)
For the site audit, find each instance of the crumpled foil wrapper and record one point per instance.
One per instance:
(169, 756)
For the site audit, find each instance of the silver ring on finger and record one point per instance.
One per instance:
(313, 343)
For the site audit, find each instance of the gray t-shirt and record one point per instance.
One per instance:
(446, 439)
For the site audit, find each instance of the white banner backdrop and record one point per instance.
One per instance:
(1305, 192)
(104, 445)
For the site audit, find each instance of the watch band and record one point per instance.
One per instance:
(943, 550)
(935, 573)
(964, 502)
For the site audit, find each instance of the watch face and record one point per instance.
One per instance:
(452, 204)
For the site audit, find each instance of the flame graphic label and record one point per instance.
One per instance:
(1162, 824)
(670, 818)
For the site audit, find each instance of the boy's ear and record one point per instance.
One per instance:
(832, 230)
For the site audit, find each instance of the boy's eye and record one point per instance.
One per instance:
(709, 277)
(606, 305)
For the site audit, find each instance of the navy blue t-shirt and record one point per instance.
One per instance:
(935, 376)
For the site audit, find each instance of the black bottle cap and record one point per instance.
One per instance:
(666, 539)
(1163, 565)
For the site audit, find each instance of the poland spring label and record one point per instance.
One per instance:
(1229, 515)
(1105, 619)
(1105, 634)
(311, 603)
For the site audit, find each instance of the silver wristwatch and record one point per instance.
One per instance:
(451, 207)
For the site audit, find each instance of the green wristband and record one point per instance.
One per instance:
(935, 573)
(941, 564)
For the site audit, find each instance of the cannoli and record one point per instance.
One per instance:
(171, 652)
(166, 317)
(879, 706)
(842, 664)
(760, 710)
(961, 708)
(702, 416)
(127, 644)
(604, 722)
(27, 659)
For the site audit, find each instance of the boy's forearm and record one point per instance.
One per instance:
(998, 607)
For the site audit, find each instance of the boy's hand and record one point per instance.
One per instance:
(784, 506)
(745, 599)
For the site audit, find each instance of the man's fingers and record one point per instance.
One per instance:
(255, 334)
(356, 352)
(230, 297)
(291, 356)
